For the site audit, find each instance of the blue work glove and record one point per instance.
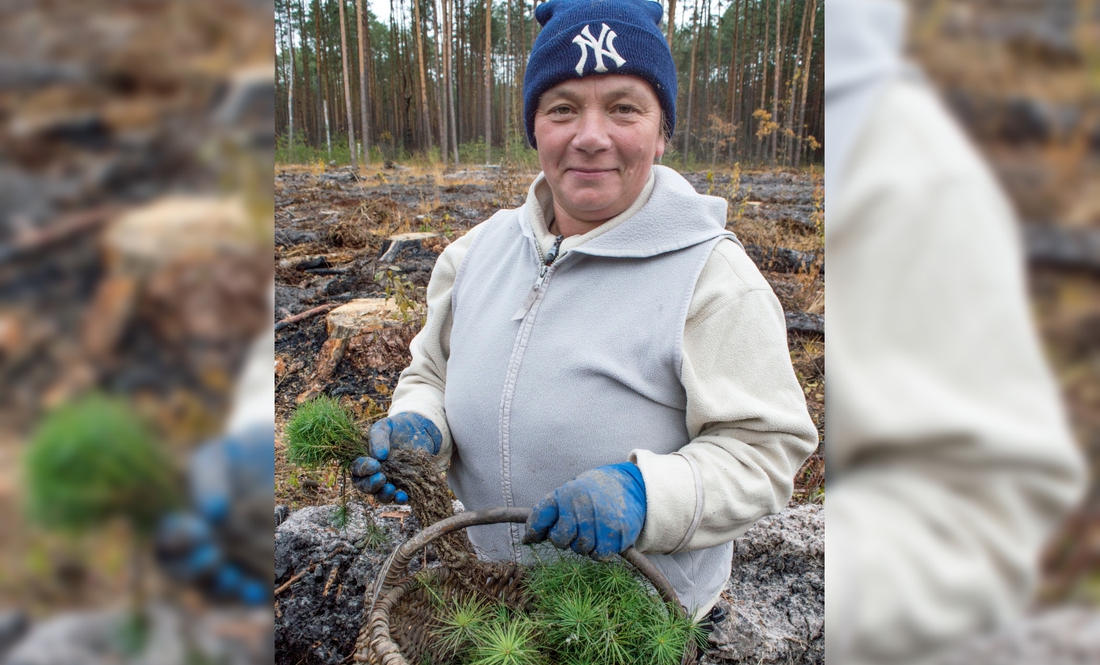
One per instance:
(222, 543)
(599, 513)
(401, 431)
(187, 550)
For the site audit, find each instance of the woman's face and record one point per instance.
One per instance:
(597, 139)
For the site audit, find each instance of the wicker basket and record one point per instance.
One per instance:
(397, 630)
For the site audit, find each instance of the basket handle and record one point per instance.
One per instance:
(404, 554)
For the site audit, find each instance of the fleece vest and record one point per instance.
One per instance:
(551, 376)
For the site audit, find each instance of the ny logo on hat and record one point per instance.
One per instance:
(585, 40)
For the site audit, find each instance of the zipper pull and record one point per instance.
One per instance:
(552, 255)
(526, 306)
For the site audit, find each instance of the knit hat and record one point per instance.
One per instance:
(585, 37)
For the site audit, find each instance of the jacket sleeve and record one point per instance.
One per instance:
(421, 385)
(746, 415)
(949, 456)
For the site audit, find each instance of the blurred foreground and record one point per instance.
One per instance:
(961, 440)
(136, 143)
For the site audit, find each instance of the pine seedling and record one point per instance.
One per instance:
(615, 579)
(94, 460)
(570, 620)
(376, 537)
(507, 643)
(322, 430)
(340, 517)
(667, 637)
(461, 624)
(613, 644)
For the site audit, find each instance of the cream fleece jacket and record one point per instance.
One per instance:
(949, 456)
(746, 412)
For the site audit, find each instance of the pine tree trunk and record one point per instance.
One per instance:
(462, 86)
(364, 124)
(290, 86)
(419, 28)
(794, 81)
(505, 94)
(671, 23)
(790, 45)
(409, 130)
(488, 81)
(535, 23)
(705, 108)
(395, 115)
(800, 132)
(734, 82)
(691, 84)
(763, 78)
(328, 132)
(347, 85)
(775, 88)
(448, 12)
(440, 95)
(307, 123)
(322, 89)
(374, 93)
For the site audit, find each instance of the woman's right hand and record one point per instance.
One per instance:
(401, 431)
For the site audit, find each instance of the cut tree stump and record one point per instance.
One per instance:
(358, 317)
(175, 228)
(405, 244)
(146, 249)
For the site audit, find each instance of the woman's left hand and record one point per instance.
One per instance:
(599, 513)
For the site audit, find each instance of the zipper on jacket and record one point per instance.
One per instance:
(544, 269)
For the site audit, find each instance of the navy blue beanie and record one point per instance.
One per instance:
(585, 37)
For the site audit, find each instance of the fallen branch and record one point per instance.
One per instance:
(305, 262)
(297, 576)
(782, 259)
(301, 316)
(1064, 248)
(59, 231)
(805, 322)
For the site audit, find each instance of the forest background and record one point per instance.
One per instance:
(440, 81)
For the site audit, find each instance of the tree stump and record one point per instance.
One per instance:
(179, 269)
(358, 317)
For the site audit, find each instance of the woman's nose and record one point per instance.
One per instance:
(592, 132)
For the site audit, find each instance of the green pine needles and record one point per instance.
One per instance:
(507, 643)
(584, 613)
(93, 460)
(321, 431)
